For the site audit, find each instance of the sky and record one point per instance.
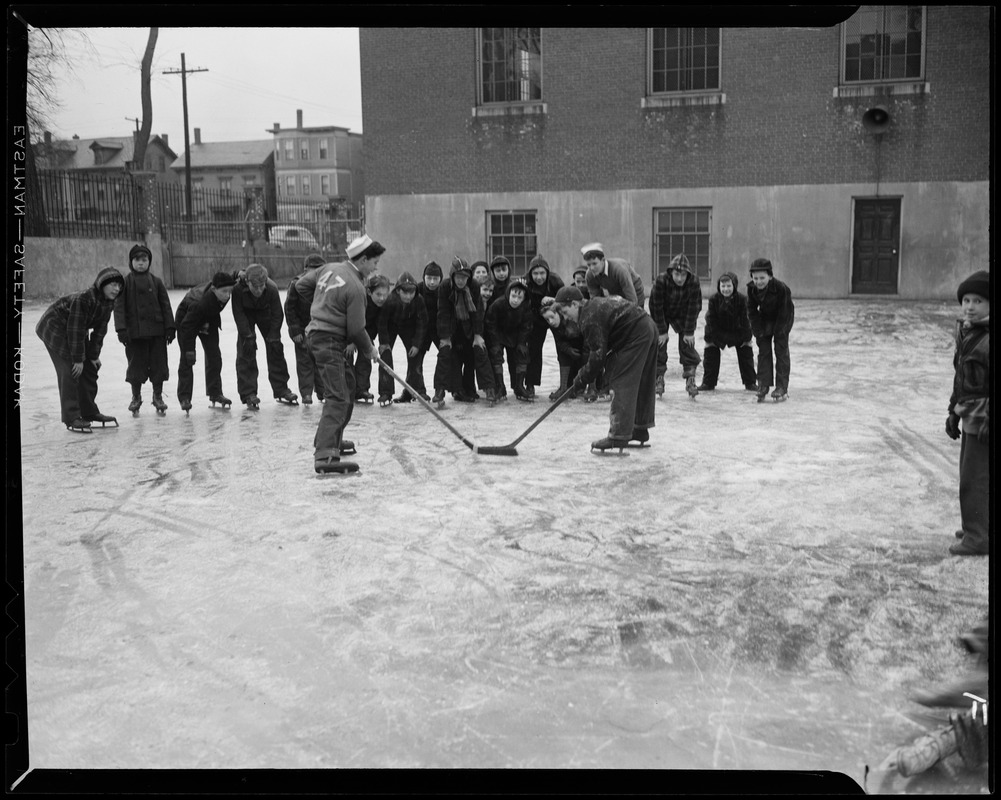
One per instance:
(256, 77)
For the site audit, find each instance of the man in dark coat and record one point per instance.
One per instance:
(727, 325)
(427, 290)
(771, 311)
(73, 330)
(508, 326)
(542, 283)
(297, 318)
(405, 316)
(199, 316)
(621, 338)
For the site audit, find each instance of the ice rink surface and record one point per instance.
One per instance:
(758, 590)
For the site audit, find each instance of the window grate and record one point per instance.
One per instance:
(884, 43)
(682, 230)
(684, 59)
(512, 234)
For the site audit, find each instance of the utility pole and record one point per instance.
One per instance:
(136, 120)
(183, 72)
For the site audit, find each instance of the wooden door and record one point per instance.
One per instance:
(875, 256)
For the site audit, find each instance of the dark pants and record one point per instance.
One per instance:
(631, 373)
(339, 384)
(745, 363)
(781, 368)
(77, 396)
(536, 342)
(213, 367)
(246, 361)
(415, 368)
(687, 354)
(975, 492)
(306, 372)
(452, 360)
(147, 358)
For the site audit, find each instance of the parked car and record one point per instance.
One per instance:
(293, 236)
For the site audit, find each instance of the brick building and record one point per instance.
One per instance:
(724, 143)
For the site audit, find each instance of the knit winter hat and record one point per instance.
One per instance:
(579, 271)
(313, 260)
(109, 275)
(568, 294)
(223, 279)
(499, 261)
(140, 248)
(538, 261)
(480, 263)
(977, 283)
(432, 268)
(406, 281)
(680, 261)
(761, 265)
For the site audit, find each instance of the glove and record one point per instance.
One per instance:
(413, 351)
(170, 337)
(578, 385)
(984, 434)
(298, 338)
(383, 348)
(478, 342)
(952, 426)
(123, 337)
(971, 738)
(445, 343)
(190, 357)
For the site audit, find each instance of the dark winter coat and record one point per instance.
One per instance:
(537, 292)
(508, 328)
(727, 323)
(616, 279)
(142, 309)
(971, 385)
(604, 323)
(372, 315)
(430, 298)
(407, 320)
(65, 324)
(448, 323)
(771, 309)
(264, 311)
(297, 306)
(199, 309)
(677, 307)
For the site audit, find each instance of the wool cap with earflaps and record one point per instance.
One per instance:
(140, 248)
(500, 261)
(579, 271)
(761, 265)
(461, 265)
(594, 248)
(480, 263)
(406, 281)
(538, 261)
(680, 261)
(567, 294)
(313, 260)
(978, 283)
(223, 279)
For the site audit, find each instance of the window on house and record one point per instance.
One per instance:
(289, 150)
(197, 184)
(304, 149)
(226, 184)
(884, 43)
(250, 180)
(510, 65)
(682, 230)
(306, 185)
(290, 185)
(278, 151)
(512, 234)
(684, 59)
(324, 183)
(323, 148)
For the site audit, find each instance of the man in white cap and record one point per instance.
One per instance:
(337, 319)
(611, 277)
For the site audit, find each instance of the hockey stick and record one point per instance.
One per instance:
(509, 449)
(430, 408)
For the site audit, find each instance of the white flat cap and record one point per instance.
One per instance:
(593, 246)
(358, 246)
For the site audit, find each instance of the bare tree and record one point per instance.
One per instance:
(139, 158)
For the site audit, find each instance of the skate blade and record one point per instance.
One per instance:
(336, 468)
(610, 452)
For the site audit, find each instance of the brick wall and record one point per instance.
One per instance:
(780, 124)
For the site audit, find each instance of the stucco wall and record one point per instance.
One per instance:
(55, 267)
(805, 230)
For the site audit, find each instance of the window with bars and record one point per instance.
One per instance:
(684, 59)
(884, 43)
(512, 234)
(510, 65)
(682, 230)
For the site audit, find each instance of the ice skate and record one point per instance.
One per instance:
(780, 394)
(104, 419)
(704, 388)
(385, 400)
(333, 465)
(492, 396)
(640, 437)
(224, 402)
(750, 387)
(158, 404)
(252, 402)
(590, 395)
(608, 443)
(690, 387)
(290, 398)
(439, 398)
(136, 403)
(405, 397)
(79, 426)
(347, 448)
(186, 406)
(307, 399)
(762, 393)
(659, 388)
(364, 397)
(462, 397)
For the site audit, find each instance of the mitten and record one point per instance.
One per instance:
(971, 738)
(123, 337)
(170, 337)
(952, 426)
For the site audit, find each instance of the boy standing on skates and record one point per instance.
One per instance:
(257, 304)
(144, 321)
(970, 403)
(727, 325)
(507, 328)
(73, 330)
(297, 318)
(675, 302)
(771, 311)
(403, 315)
(199, 316)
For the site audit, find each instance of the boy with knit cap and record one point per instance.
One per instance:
(257, 304)
(675, 302)
(199, 316)
(500, 270)
(73, 330)
(970, 414)
(542, 283)
(727, 325)
(771, 311)
(297, 318)
(507, 329)
(403, 316)
(144, 322)
(427, 290)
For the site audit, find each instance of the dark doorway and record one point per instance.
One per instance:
(876, 251)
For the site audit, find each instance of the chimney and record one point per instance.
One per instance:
(163, 138)
(48, 137)
(76, 135)
(278, 126)
(298, 118)
(198, 135)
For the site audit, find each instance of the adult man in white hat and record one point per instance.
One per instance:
(611, 277)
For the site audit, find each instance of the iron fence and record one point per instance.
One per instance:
(86, 205)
